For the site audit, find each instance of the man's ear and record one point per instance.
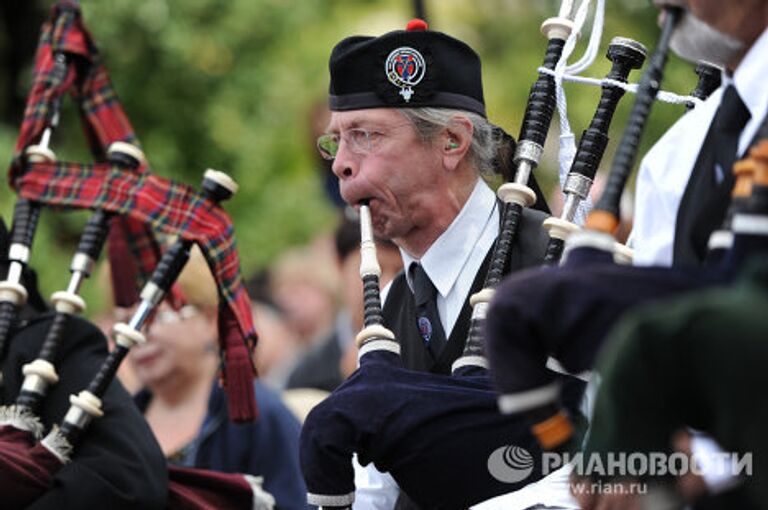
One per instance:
(455, 141)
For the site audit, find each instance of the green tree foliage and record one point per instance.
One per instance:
(230, 84)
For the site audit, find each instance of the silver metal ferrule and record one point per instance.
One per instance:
(152, 293)
(19, 253)
(78, 417)
(82, 262)
(45, 138)
(35, 384)
(479, 311)
(523, 173)
(141, 315)
(578, 185)
(75, 281)
(529, 151)
(570, 206)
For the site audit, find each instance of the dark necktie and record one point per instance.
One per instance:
(427, 318)
(708, 191)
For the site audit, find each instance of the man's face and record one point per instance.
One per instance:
(381, 158)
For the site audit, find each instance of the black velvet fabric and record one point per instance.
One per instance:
(117, 463)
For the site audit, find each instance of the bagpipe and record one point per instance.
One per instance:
(427, 430)
(590, 292)
(127, 200)
(668, 356)
(519, 363)
(436, 433)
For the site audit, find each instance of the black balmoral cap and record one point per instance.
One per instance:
(410, 68)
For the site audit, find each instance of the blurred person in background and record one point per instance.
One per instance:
(303, 285)
(322, 367)
(187, 410)
(278, 344)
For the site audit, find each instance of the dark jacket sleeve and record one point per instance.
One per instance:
(117, 463)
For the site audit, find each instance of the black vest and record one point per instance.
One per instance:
(400, 309)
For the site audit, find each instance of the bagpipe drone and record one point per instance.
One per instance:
(562, 316)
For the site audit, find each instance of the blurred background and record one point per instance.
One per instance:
(239, 85)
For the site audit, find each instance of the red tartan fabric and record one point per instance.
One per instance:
(175, 209)
(83, 75)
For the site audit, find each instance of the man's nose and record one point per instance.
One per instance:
(345, 164)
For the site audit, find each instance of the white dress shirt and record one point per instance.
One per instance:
(453, 260)
(665, 170)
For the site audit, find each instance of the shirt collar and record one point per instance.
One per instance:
(449, 253)
(749, 79)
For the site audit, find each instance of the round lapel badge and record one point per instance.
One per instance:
(405, 68)
(425, 329)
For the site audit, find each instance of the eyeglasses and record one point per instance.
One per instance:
(360, 141)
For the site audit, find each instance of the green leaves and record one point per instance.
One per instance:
(230, 84)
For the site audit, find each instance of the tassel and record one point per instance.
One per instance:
(124, 272)
(238, 369)
(238, 384)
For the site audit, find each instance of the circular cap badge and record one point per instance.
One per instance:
(405, 68)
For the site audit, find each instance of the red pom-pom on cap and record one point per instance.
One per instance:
(416, 24)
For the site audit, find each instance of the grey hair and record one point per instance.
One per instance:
(486, 138)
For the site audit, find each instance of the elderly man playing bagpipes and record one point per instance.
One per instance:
(409, 134)
(409, 139)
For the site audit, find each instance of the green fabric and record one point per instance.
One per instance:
(702, 362)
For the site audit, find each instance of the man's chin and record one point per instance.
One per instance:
(696, 41)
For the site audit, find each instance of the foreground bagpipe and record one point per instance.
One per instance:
(436, 433)
(536, 391)
(589, 292)
(119, 189)
(666, 356)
